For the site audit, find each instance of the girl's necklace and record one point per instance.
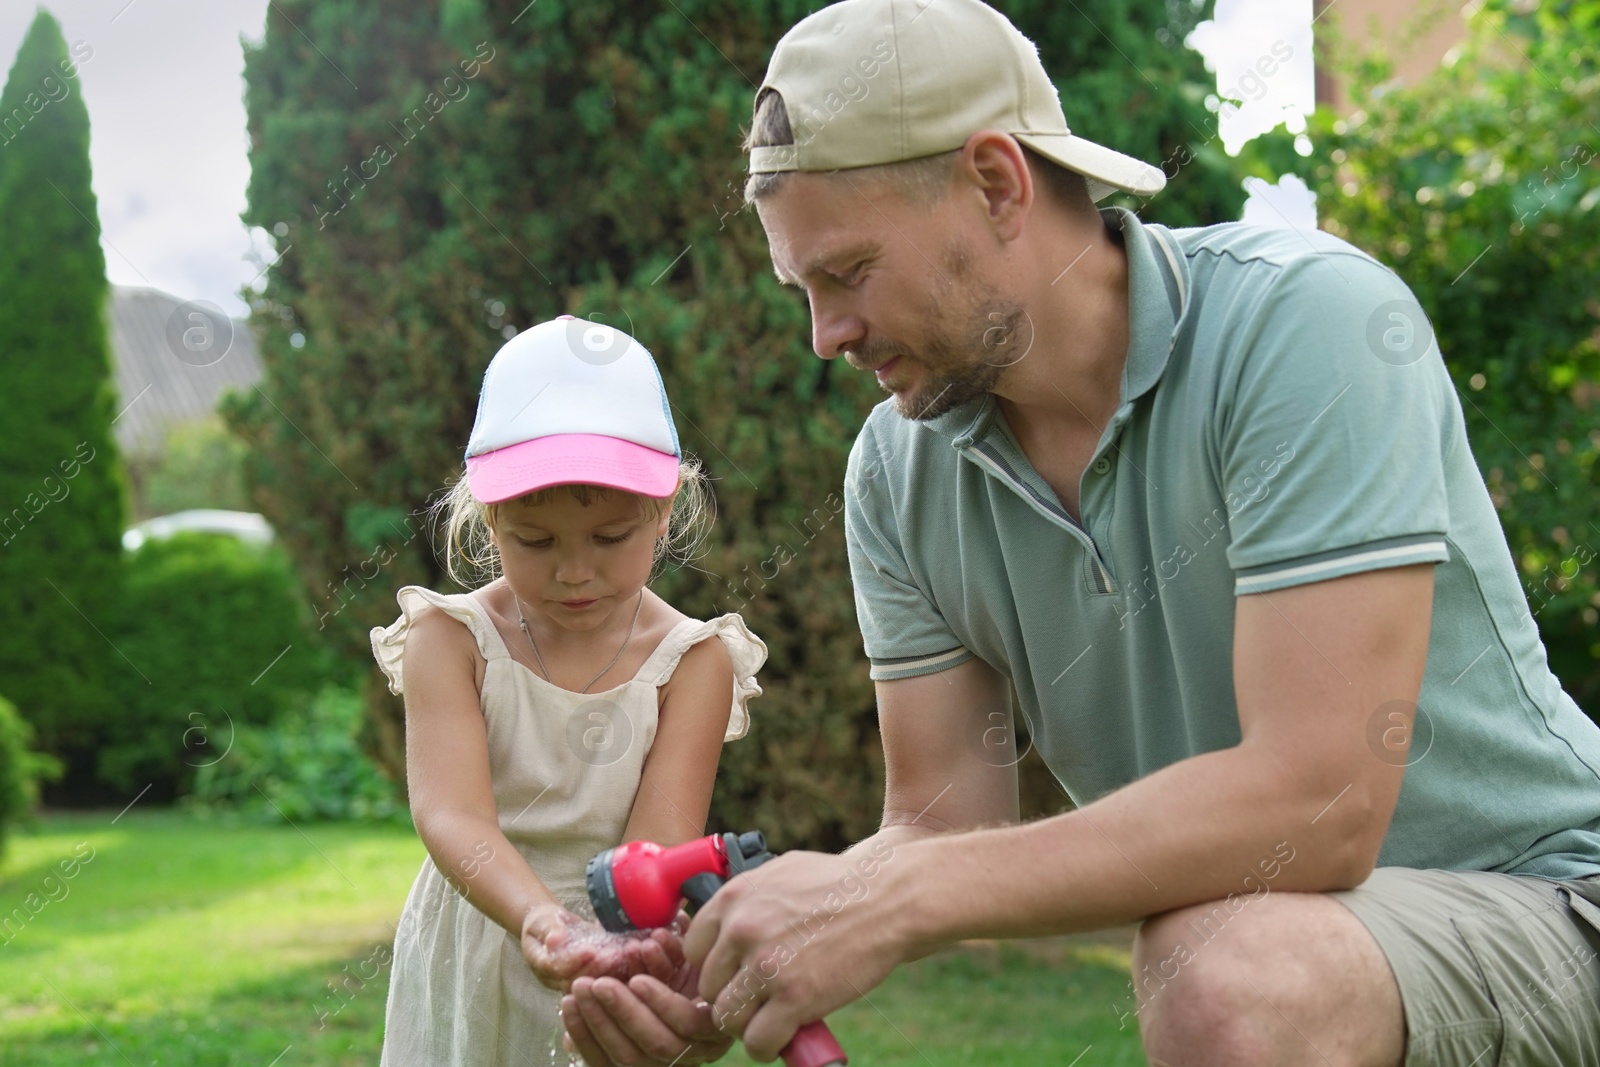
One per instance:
(613, 662)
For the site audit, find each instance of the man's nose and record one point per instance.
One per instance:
(834, 330)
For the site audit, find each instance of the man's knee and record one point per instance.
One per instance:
(1231, 986)
(1207, 943)
(1192, 985)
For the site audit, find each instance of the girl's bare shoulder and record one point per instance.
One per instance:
(437, 640)
(706, 663)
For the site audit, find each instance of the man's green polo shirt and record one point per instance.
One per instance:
(1285, 418)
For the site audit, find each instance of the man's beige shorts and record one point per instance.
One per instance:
(1495, 970)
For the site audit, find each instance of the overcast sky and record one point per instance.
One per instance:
(167, 139)
(165, 94)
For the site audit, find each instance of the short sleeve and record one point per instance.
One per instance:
(748, 653)
(904, 633)
(389, 642)
(1333, 427)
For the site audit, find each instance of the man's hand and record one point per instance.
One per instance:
(783, 945)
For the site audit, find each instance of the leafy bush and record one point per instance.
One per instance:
(307, 766)
(216, 640)
(21, 770)
(201, 465)
(1478, 187)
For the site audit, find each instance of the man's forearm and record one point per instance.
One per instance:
(896, 834)
(1235, 821)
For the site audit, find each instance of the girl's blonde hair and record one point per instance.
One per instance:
(471, 559)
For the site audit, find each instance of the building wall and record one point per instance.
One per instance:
(1386, 23)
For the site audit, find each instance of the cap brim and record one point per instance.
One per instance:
(1106, 170)
(571, 459)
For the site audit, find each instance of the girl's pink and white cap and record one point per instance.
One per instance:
(568, 402)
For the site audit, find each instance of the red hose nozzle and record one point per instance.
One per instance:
(640, 885)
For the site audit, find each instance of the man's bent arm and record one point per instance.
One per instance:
(949, 751)
(1313, 665)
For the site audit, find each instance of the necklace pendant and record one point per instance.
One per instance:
(523, 622)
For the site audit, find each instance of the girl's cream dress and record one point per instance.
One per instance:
(565, 769)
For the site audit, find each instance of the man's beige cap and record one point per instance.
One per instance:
(881, 81)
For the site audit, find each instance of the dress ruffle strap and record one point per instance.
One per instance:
(389, 643)
(747, 651)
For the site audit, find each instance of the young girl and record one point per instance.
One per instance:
(558, 710)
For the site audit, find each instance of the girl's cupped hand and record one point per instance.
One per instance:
(559, 946)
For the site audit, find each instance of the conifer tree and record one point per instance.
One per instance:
(62, 489)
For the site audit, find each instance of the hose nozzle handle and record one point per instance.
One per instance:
(700, 889)
(813, 1046)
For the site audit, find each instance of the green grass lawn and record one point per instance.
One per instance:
(186, 942)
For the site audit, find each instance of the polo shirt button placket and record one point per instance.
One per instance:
(1100, 466)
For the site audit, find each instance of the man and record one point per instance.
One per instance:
(1203, 501)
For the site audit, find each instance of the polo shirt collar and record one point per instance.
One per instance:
(1158, 288)
(1158, 285)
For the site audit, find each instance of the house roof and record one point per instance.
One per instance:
(171, 366)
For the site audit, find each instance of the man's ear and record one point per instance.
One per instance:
(997, 167)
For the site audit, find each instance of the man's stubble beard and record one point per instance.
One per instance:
(957, 372)
(963, 361)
